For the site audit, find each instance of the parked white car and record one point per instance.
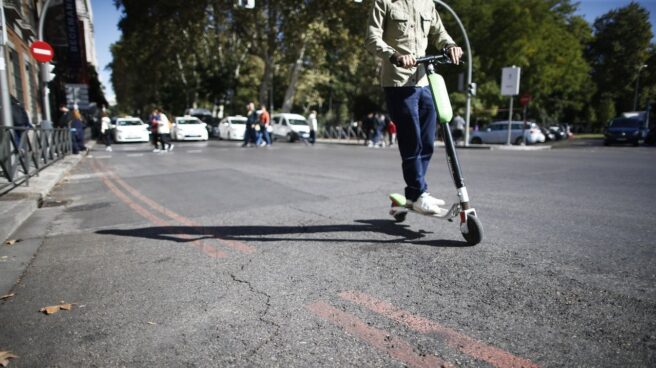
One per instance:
(129, 129)
(231, 128)
(186, 128)
(497, 132)
(290, 127)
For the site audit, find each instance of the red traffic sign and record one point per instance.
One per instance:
(525, 99)
(42, 51)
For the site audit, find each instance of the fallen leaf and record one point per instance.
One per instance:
(4, 258)
(7, 296)
(151, 323)
(11, 241)
(5, 356)
(56, 308)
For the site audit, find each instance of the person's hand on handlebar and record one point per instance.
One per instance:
(403, 61)
(455, 53)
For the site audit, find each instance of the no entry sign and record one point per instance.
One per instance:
(42, 51)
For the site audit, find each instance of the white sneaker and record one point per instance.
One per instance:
(156, 150)
(108, 149)
(428, 205)
(171, 147)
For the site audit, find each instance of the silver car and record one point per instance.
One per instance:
(497, 132)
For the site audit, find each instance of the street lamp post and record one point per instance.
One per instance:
(45, 67)
(469, 68)
(4, 83)
(635, 99)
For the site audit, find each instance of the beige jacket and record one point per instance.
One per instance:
(406, 27)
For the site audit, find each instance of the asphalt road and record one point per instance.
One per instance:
(214, 255)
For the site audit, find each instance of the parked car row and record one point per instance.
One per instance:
(290, 127)
(132, 129)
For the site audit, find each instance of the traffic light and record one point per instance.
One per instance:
(248, 4)
(471, 89)
(48, 72)
(50, 69)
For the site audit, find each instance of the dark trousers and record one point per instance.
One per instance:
(249, 135)
(165, 140)
(412, 109)
(313, 136)
(107, 137)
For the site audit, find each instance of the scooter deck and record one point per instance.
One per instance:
(400, 204)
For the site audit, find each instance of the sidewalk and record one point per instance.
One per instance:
(18, 205)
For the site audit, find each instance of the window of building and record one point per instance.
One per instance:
(18, 81)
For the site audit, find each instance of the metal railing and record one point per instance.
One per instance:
(343, 133)
(24, 152)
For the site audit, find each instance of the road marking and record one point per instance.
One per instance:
(234, 244)
(99, 157)
(396, 347)
(195, 151)
(205, 248)
(490, 354)
(134, 154)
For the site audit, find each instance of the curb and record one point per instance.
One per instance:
(21, 202)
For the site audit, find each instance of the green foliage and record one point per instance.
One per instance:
(310, 55)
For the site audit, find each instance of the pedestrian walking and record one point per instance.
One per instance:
(398, 32)
(154, 136)
(312, 121)
(164, 131)
(367, 127)
(251, 122)
(379, 126)
(106, 131)
(391, 131)
(458, 128)
(77, 132)
(265, 125)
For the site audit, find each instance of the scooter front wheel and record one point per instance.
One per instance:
(474, 234)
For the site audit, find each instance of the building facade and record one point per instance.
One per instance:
(22, 17)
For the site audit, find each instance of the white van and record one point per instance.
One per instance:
(290, 127)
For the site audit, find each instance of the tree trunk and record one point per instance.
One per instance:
(293, 81)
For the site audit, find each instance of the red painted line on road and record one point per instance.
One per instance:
(205, 248)
(234, 244)
(490, 354)
(397, 348)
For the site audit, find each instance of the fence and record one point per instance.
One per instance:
(348, 133)
(24, 152)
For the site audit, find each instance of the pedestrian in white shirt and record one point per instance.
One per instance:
(164, 131)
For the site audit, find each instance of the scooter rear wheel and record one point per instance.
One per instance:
(475, 233)
(400, 217)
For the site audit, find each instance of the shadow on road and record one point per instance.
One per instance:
(184, 234)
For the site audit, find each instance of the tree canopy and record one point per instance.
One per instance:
(294, 55)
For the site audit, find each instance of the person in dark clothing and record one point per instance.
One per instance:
(20, 118)
(77, 133)
(251, 120)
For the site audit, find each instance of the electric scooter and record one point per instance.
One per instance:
(470, 226)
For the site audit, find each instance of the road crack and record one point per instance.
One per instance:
(263, 315)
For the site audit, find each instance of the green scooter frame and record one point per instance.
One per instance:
(470, 226)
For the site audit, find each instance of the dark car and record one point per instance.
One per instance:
(205, 116)
(625, 130)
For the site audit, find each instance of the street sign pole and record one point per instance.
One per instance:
(45, 67)
(4, 84)
(510, 87)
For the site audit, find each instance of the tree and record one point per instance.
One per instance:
(621, 45)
